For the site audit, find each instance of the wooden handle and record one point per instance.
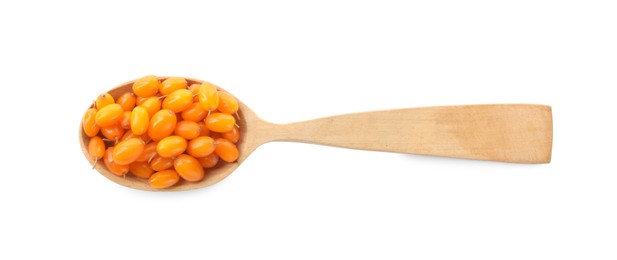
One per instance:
(507, 133)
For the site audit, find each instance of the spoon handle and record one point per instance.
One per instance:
(509, 133)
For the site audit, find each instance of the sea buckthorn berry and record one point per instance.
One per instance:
(113, 133)
(172, 84)
(162, 124)
(188, 168)
(140, 100)
(178, 101)
(109, 115)
(187, 129)
(128, 134)
(88, 123)
(226, 150)
(128, 151)
(164, 179)
(125, 121)
(139, 120)
(201, 146)
(117, 169)
(160, 163)
(146, 86)
(194, 113)
(103, 100)
(203, 130)
(220, 122)
(152, 105)
(194, 88)
(233, 135)
(227, 103)
(141, 169)
(127, 101)
(208, 96)
(171, 146)
(148, 153)
(209, 161)
(96, 148)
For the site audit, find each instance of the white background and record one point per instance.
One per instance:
(296, 61)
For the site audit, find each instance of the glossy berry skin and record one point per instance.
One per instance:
(171, 146)
(103, 100)
(125, 121)
(148, 153)
(113, 133)
(187, 129)
(146, 86)
(128, 151)
(220, 122)
(162, 124)
(188, 168)
(109, 115)
(172, 84)
(233, 135)
(164, 179)
(96, 148)
(194, 113)
(178, 101)
(208, 96)
(127, 101)
(88, 123)
(117, 169)
(201, 146)
(227, 103)
(209, 161)
(139, 120)
(226, 150)
(141, 169)
(152, 105)
(159, 163)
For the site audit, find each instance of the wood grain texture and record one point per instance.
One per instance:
(509, 133)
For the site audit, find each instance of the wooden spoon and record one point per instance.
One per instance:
(515, 133)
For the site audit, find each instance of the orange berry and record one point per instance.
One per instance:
(227, 103)
(203, 130)
(226, 150)
(178, 101)
(103, 100)
(171, 146)
(148, 153)
(201, 146)
(139, 120)
(140, 100)
(162, 124)
(209, 161)
(117, 169)
(141, 169)
(127, 101)
(88, 123)
(220, 122)
(233, 135)
(159, 163)
(194, 88)
(172, 84)
(146, 86)
(114, 132)
(188, 168)
(128, 151)
(96, 148)
(194, 113)
(187, 129)
(164, 179)
(125, 121)
(109, 115)
(208, 96)
(152, 105)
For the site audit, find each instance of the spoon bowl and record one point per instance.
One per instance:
(514, 133)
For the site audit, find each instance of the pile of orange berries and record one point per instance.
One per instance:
(163, 131)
